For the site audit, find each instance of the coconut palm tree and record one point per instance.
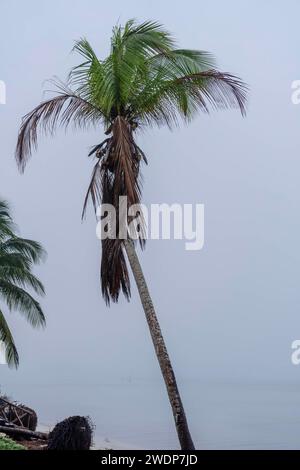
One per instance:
(17, 256)
(145, 80)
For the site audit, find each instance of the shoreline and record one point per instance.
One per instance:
(99, 442)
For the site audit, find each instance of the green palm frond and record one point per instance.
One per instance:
(185, 95)
(17, 257)
(17, 298)
(22, 277)
(7, 226)
(14, 260)
(6, 337)
(147, 38)
(30, 249)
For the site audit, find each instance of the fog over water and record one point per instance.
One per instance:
(229, 312)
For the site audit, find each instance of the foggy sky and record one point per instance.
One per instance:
(228, 312)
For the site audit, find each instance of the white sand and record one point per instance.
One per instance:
(106, 443)
(99, 442)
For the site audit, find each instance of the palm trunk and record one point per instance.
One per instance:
(160, 349)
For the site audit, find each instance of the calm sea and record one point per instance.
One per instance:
(136, 414)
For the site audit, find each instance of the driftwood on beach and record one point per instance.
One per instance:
(16, 432)
(17, 414)
(19, 423)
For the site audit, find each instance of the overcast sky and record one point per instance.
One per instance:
(229, 311)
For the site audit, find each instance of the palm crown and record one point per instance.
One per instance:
(17, 256)
(145, 80)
